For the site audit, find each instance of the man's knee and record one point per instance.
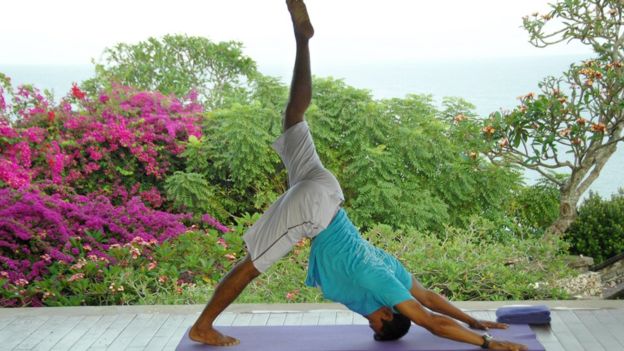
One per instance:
(249, 269)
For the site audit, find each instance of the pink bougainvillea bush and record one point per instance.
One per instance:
(37, 230)
(122, 137)
(82, 177)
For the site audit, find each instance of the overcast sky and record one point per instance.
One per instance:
(73, 32)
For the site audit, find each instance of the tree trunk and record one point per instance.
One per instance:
(567, 214)
(577, 185)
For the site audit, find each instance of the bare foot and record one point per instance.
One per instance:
(211, 337)
(301, 20)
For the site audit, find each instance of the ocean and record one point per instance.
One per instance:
(490, 84)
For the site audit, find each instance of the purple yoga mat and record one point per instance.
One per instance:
(348, 338)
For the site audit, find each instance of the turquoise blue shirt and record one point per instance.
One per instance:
(350, 270)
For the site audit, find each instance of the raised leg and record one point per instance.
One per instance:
(301, 85)
(244, 272)
(226, 292)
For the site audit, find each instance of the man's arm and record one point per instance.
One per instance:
(446, 327)
(439, 304)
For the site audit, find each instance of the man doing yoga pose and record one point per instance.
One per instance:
(347, 268)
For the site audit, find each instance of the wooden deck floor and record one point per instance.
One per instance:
(576, 325)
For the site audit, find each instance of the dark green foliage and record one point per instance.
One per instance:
(191, 192)
(536, 206)
(598, 231)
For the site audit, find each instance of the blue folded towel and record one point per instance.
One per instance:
(539, 314)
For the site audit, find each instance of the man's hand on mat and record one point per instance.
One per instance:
(506, 345)
(485, 325)
(211, 337)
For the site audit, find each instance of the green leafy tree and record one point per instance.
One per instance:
(398, 162)
(177, 64)
(575, 124)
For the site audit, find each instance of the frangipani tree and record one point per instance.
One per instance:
(575, 123)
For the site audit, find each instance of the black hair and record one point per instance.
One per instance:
(394, 329)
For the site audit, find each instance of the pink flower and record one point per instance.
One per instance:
(87, 247)
(151, 266)
(230, 257)
(94, 154)
(163, 279)
(222, 242)
(292, 295)
(21, 282)
(75, 277)
(135, 253)
(104, 99)
(2, 101)
(215, 223)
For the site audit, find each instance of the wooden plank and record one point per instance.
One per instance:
(310, 318)
(131, 331)
(618, 314)
(94, 332)
(242, 319)
(57, 333)
(259, 319)
(39, 334)
(5, 321)
(563, 333)
(112, 332)
(481, 315)
(148, 331)
(611, 324)
(276, 319)
(179, 332)
(359, 320)
(604, 336)
(580, 331)
(327, 318)
(164, 333)
(19, 330)
(76, 333)
(344, 317)
(491, 315)
(225, 319)
(293, 318)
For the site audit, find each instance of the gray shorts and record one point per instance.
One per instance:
(304, 210)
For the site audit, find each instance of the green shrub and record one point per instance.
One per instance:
(467, 265)
(464, 265)
(598, 231)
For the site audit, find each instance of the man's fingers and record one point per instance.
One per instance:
(497, 325)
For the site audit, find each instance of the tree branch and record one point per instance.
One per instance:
(593, 175)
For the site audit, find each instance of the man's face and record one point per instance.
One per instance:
(375, 318)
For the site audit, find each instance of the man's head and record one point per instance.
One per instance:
(388, 325)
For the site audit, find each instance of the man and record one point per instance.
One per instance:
(347, 268)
